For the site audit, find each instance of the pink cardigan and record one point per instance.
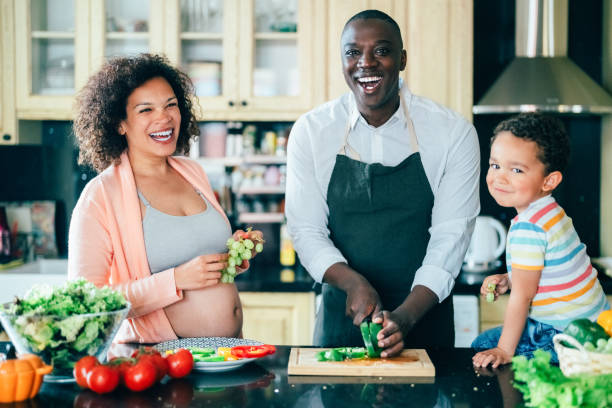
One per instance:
(106, 246)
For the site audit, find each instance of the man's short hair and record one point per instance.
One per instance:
(379, 15)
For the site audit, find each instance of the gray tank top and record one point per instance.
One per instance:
(172, 240)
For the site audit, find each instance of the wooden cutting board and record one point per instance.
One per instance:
(410, 363)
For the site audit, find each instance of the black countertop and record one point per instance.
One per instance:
(265, 383)
(268, 279)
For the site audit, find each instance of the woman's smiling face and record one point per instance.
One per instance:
(153, 119)
(516, 177)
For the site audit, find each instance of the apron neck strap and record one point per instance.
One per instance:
(349, 151)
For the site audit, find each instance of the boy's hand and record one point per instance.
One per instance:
(501, 284)
(494, 356)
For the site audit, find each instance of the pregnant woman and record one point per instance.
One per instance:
(149, 224)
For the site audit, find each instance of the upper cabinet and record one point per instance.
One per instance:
(51, 54)
(249, 59)
(438, 39)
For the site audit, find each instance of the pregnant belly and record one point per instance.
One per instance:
(209, 312)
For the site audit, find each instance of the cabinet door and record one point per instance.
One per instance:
(279, 54)
(7, 74)
(438, 39)
(51, 50)
(123, 28)
(278, 318)
(206, 49)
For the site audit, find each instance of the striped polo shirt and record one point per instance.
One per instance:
(543, 238)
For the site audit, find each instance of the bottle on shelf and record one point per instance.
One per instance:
(287, 253)
(5, 237)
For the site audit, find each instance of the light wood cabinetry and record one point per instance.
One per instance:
(492, 314)
(278, 317)
(438, 39)
(262, 63)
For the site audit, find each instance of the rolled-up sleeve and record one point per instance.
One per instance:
(456, 205)
(306, 207)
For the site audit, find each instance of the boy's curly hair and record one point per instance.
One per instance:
(547, 132)
(101, 106)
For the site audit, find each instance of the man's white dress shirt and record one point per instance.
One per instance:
(450, 154)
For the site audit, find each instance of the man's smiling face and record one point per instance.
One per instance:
(372, 58)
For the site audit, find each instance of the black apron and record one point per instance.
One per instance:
(379, 219)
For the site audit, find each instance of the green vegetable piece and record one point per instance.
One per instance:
(365, 333)
(208, 359)
(336, 355)
(584, 330)
(374, 329)
(544, 385)
(259, 247)
(490, 297)
(491, 287)
(321, 356)
(356, 353)
(207, 351)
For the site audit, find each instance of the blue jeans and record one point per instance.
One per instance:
(536, 335)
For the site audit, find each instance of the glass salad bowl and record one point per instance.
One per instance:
(61, 338)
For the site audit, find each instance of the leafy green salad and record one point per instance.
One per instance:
(544, 385)
(64, 323)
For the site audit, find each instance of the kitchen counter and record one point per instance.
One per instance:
(265, 383)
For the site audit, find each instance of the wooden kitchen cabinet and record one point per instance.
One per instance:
(250, 59)
(492, 314)
(438, 39)
(285, 318)
(60, 43)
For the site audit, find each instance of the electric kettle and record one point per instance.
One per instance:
(487, 244)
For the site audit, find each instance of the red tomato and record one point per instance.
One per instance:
(180, 363)
(145, 350)
(160, 363)
(153, 355)
(82, 368)
(103, 379)
(121, 364)
(140, 376)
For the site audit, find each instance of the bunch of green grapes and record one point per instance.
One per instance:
(491, 292)
(239, 251)
(602, 346)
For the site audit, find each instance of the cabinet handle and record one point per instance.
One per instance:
(231, 103)
(243, 103)
(6, 137)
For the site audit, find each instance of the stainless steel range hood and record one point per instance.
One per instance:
(541, 77)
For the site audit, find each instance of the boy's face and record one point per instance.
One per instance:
(516, 176)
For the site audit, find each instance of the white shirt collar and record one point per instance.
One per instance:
(355, 115)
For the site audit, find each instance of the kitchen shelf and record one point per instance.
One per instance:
(261, 218)
(276, 36)
(53, 35)
(237, 161)
(261, 190)
(128, 35)
(201, 36)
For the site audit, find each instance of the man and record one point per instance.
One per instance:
(382, 194)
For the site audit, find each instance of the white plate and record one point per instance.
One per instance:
(220, 366)
(212, 342)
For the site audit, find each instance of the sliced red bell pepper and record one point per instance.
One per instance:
(253, 351)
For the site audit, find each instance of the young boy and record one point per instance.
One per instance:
(549, 271)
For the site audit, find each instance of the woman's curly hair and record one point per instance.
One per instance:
(547, 132)
(101, 106)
